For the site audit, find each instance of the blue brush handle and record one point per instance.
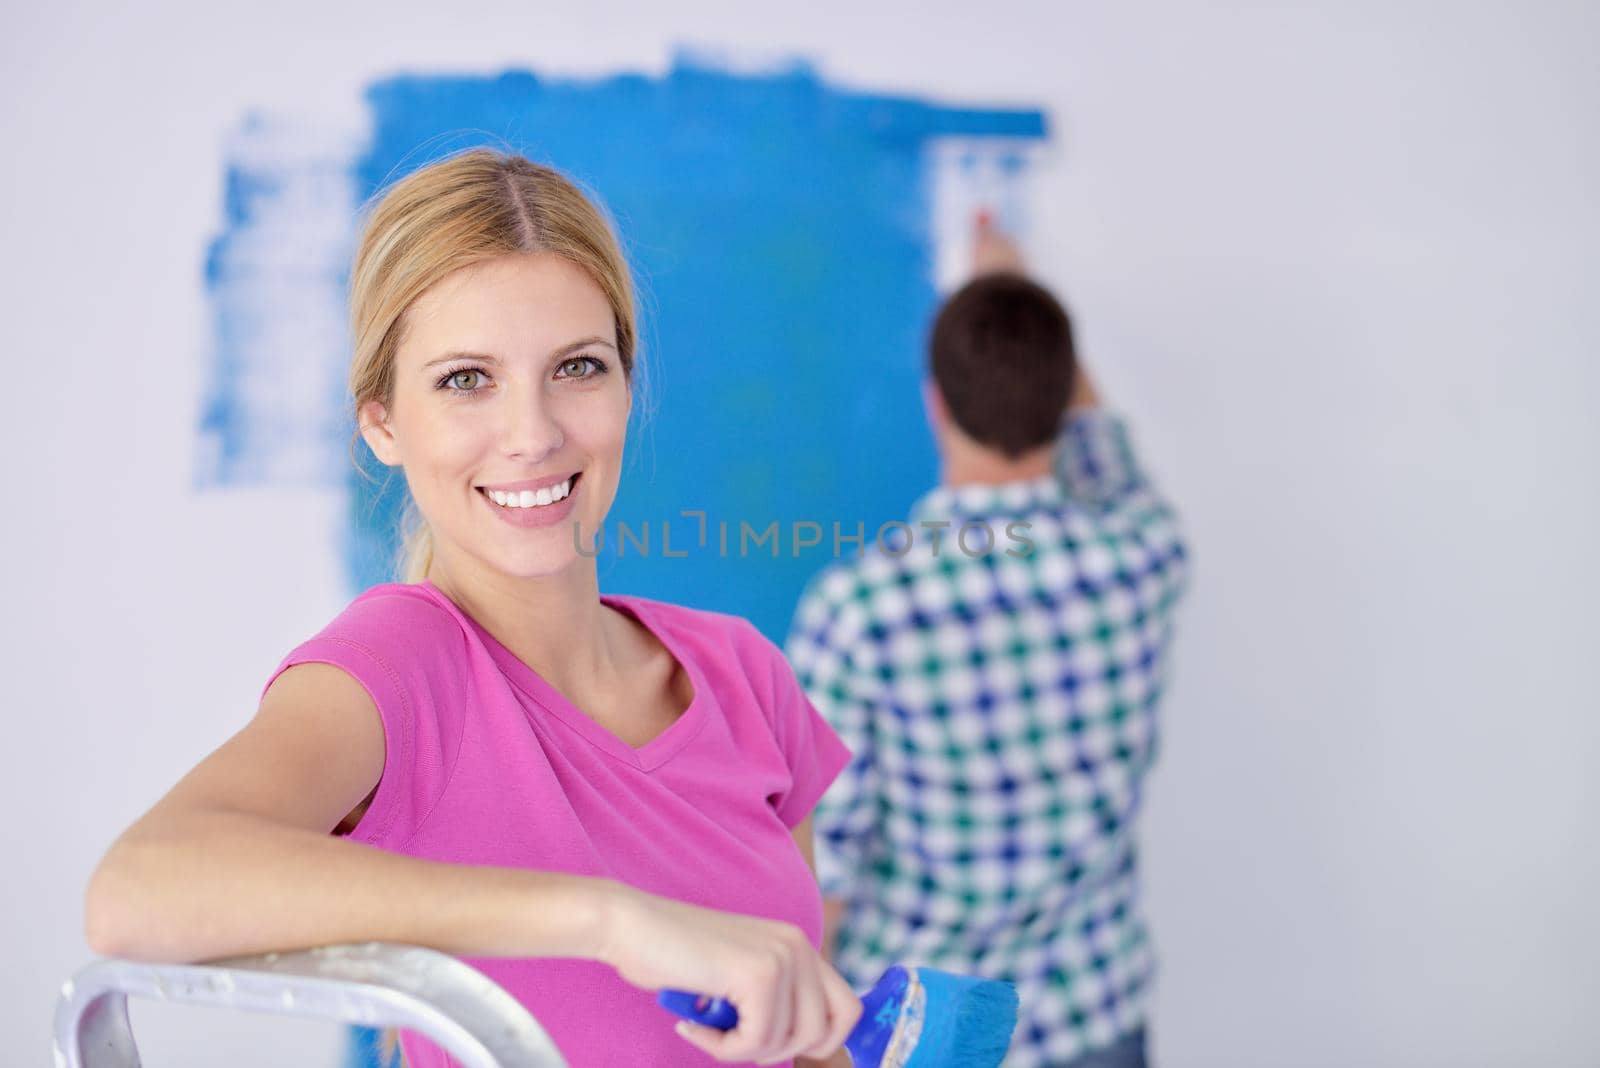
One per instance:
(965, 1021)
(712, 1012)
(867, 1043)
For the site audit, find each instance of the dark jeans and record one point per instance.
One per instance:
(1125, 1052)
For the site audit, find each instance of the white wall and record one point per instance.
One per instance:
(1338, 262)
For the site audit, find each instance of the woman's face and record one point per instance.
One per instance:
(507, 380)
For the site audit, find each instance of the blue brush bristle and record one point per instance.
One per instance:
(968, 1022)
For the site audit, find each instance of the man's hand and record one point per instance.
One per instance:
(993, 251)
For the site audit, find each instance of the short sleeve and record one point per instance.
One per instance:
(811, 748)
(402, 649)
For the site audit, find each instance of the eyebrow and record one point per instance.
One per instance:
(564, 350)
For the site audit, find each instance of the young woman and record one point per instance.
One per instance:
(589, 797)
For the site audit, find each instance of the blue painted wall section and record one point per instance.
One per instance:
(779, 232)
(274, 412)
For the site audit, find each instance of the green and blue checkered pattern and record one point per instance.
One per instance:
(1001, 708)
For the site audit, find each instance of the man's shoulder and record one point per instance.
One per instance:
(843, 600)
(853, 579)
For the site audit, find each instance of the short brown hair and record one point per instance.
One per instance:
(1002, 357)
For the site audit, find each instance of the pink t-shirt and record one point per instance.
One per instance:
(488, 764)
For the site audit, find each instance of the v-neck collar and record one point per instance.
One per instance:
(646, 757)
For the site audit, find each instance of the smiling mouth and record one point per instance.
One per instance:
(532, 499)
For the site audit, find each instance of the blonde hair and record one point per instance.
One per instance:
(458, 211)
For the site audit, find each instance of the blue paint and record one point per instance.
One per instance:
(363, 1048)
(779, 231)
(275, 279)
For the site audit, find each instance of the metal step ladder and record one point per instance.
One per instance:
(370, 984)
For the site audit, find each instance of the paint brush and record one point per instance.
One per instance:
(911, 1018)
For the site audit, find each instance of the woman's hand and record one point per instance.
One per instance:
(791, 1002)
(841, 1059)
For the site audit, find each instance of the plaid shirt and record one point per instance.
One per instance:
(1001, 708)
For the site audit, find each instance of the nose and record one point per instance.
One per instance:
(529, 430)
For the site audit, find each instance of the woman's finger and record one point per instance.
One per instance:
(843, 1008)
(709, 1040)
(810, 1026)
(781, 1022)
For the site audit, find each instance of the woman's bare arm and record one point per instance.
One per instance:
(237, 857)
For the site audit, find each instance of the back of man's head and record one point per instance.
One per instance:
(1002, 358)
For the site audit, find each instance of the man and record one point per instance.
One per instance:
(1001, 704)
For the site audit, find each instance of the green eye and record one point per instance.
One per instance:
(596, 367)
(451, 382)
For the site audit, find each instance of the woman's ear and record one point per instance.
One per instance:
(373, 418)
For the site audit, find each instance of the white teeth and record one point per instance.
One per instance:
(531, 498)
